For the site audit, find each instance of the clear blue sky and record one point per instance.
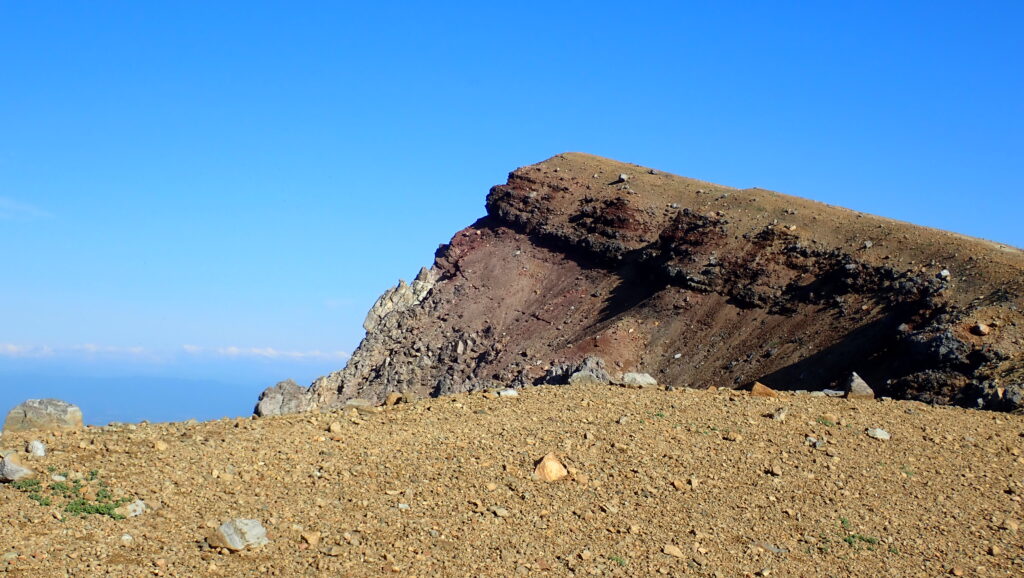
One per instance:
(218, 191)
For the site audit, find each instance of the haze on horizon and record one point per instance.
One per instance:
(199, 197)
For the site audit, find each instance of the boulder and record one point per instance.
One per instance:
(36, 449)
(131, 510)
(638, 380)
(44, 414)
(550, 469)
(857, 388)
(761, 390)
(238, 534)
(12, 470)
(283, 398)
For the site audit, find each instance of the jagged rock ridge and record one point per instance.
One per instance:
(699, 285)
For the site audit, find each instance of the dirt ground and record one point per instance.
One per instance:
(680, 482)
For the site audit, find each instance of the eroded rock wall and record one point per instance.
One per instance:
(699, 285)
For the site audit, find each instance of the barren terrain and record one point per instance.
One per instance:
(664, 482)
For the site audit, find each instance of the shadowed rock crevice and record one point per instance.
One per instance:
(698, 285)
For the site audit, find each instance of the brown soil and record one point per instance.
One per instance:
(707, 472)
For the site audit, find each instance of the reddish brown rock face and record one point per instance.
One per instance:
(698, 285)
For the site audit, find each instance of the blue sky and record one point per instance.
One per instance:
(218, 191)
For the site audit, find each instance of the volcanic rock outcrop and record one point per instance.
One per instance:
(697, 285)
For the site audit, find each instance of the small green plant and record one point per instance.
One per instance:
(907, 471)
(618, 560)
(659, 414)
(826, 422)
(42, 501)
(845, 523)
(83, 507)
(29, 485)
(70, 493)
(894, 550)
(51, 469)
(853, 539)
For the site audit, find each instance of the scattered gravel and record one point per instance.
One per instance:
(663, 493)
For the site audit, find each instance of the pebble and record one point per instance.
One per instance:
(878, 434)
(500, 512)
(160, 446)
(508, 393)
(311, 538)
(981, 329)
(334, 428)
(780, 414)
(673, 550)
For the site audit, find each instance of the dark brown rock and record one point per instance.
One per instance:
(698, 284)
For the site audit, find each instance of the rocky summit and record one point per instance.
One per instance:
(645, 301)
(697, 285)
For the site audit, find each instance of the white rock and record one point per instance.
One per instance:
(508, 393)
(36, 449)
(878, 434)
(12, 470)
(638, 380)
(136, 508)
(238, 534)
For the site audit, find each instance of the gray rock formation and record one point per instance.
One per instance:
(44, 414)
(283, 398)
(400, 297)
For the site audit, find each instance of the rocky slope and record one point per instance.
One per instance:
(697, 284)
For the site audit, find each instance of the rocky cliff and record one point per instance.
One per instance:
(698, 285)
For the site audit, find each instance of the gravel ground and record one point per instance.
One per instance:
(682, 482)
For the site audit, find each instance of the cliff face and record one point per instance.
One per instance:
(699, 285)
